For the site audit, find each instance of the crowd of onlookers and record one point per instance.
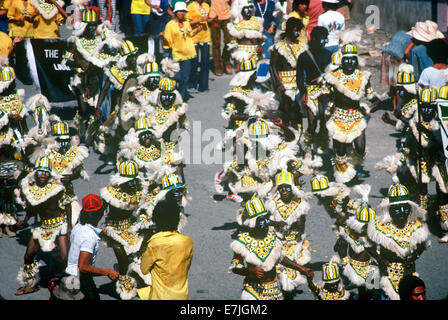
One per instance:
(208, 20)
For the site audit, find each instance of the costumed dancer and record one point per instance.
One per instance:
(335, 197)
(310, 67)
(169, 116)
(443, 207)
(283, 64)
(11, 103)
(117, 73)
(246, 31)
(50, 12)
(346, 126)
(82, 56)
(257, 253)
(289, 205)
(331, 287)
(123, 196)
(147, 82)
(42, 192)
(400, 235)
(11, 172)
(67, 163)
(155, 157)
(357, 263)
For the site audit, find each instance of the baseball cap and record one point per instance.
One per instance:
(91, 202)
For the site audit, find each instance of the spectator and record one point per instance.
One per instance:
(21, 16)
(416, 52)
(168, 255)
(411, 288)
(108, 11)
(124, 9)
(299, 11)
(178, 38)
(51, 16)
(220, 13)
(315, 9)
(333, 21)
(159, 19)
(198, 12)
(435, 75)
(140, 13)
(84, 246)
(265, 9)
(3, 17)
(7, 44)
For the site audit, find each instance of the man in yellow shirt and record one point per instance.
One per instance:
(178, 38)
(299, 11)
(198, 14)
(51, 16)
(168, 255)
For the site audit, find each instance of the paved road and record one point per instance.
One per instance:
(211, 223)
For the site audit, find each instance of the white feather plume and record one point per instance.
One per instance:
(169, 67)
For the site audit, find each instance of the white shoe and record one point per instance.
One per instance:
(444, 239)
(234, 197)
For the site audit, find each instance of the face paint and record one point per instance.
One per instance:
(63, 144)
(247, 12)
(145, 138)
(285, 191)
(167, 99)
(263, 222)
(399, 214)
(401, 92)
(152, 83)
(178, 195)
(349, 64)
(323, 42)
(428, 112)
(131, 61)
(90, 31)
(42, 177)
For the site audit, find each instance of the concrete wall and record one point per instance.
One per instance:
(398, 15)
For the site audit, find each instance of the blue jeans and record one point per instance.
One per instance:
(268, 42)
(141, 24)
(124, 9)
(183, 76)
(156, 25)
(201, 77)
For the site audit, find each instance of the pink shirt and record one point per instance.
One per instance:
(314, 11)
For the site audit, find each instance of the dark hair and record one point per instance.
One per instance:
(92, 217)
(407, 284)
(166, 214)
(319, 33)
(296, 3)
(438, 50)
(293, 22)
(330, 6)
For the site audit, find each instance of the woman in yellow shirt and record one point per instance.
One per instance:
(51, 16)
(21, 16)
(198, 12)
(178, 38)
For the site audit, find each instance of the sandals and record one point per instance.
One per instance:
(26, 290)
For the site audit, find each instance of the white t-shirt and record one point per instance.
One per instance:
(433, 78)
(82, 238)
(333, 21)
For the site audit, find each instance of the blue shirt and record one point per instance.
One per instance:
(266, 15)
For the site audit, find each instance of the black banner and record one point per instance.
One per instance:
(54, 78)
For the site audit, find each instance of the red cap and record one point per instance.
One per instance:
(91, 202)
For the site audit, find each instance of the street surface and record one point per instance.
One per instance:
(211, 221)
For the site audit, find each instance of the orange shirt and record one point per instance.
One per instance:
(220, 9)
